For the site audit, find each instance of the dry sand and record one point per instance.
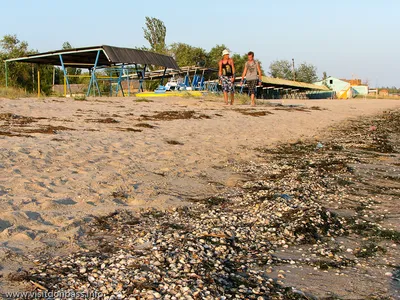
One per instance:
(105, 157)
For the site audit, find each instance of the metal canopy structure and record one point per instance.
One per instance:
(277, 82)
(96, 57)
(107, 56)
(277, 88)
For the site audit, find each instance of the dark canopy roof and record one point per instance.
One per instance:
(109, 56)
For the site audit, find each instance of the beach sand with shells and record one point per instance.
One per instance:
(65, 162)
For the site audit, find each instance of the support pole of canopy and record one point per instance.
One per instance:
(38, 83)
(96, 83)
(119, 84)
(65, 75)
(129, 84)
(144, 74)
(93, 79)
(6, 72)
(162, 78)
(111, 85)
(65, 86)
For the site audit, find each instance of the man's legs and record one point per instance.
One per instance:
(253, 102)
(226, 97)
(232, 90)
(225, 88)
(252, 91)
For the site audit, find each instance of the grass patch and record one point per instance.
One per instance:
(188, 95)
(13, 93)
(242, 98)
(80, 98)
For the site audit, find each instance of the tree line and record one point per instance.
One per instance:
(24, 75)
(155, 33)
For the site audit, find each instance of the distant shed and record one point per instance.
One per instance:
(344, 89)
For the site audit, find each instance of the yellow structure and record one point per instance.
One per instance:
(170, 94)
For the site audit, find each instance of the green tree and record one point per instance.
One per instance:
(66, 45)
(19, 74)
(281, 69)
(215, 55)
(306, 73)
(186, 55)
(23, 75)
(239, 61)
(155, 33)
(324, 80)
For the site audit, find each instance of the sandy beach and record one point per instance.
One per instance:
(64, 161)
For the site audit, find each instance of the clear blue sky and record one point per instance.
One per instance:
(345, 38)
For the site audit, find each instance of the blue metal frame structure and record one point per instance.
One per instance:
(141, 80)
(93, 78)
(99, 57)
(119, 84)
(65, 74)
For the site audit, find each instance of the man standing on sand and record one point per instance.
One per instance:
(227, 76)
(251, 69)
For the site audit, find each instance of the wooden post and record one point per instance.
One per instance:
(65, 86)
(38, 83)
(294, 70)
(54, 78)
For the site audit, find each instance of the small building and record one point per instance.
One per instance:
(344, 89)
(383, 92)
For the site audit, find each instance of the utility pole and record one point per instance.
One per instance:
(33, 77)
(294, 70)
(54, 78)
(6, 70)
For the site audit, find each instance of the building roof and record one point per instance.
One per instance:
(293, 84)
(109, 56)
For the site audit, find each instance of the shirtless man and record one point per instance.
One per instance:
(227, 76)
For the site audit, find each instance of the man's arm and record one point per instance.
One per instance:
(233, 67)
(244, 71)
(233, 71)
(220, 69)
